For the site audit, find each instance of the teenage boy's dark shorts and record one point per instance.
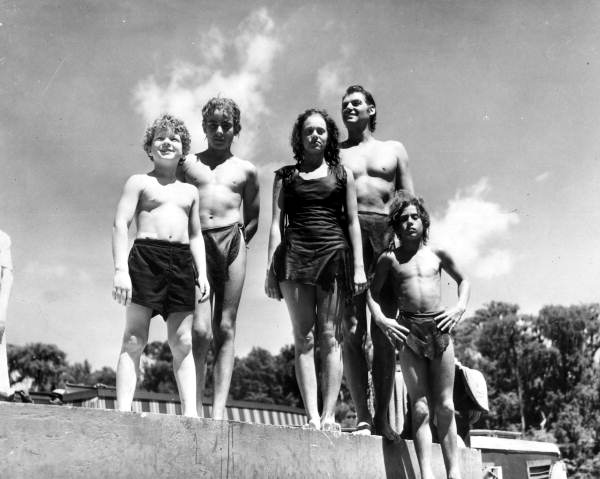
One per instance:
(163, 276)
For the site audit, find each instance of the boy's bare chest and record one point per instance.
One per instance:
(170, 195)
(422, 265)
(225, 176)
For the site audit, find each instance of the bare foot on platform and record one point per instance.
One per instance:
(385, 430)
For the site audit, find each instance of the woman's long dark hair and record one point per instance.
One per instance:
(332, 149)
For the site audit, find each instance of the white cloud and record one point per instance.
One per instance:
(243, 75)
(542, 177)
(329, 79)
(471, 230)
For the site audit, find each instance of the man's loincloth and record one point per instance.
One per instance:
(163, 276)
(424, 339)
(376, 236)
(222, 247)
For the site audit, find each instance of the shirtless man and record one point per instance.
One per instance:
(225, 184)
(380, 169)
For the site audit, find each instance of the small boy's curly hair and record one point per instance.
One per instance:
(226, 105)
(168, 122)
(400, 202)
(332, 149)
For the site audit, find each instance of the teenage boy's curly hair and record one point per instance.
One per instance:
(332, 149)
(225, 105)
(401, 201)
(368, 98)
(168, 122)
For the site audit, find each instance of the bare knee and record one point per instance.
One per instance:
(304, 343)
(225, 332)
(180, 343)
(328, 342)
(420, 411)
(134, 343)
(444, 410)
(201, 335)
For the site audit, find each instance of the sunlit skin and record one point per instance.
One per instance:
(314, 311)
(166, 209)
(6, 281)
(229, 193)
(415, 271)
(380, 168)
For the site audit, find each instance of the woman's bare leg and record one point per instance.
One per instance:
(330, 308)
(300, 301)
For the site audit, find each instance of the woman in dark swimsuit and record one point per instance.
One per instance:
(310, 262)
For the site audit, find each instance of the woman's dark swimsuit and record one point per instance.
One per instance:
(163, 276)
(314, 249)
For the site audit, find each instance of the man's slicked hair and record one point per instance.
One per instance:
(369, 99)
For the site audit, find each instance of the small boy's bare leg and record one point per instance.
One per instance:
(179, 333)
(442, 380)
(135, 337)
(300, 300)
(384, 373)
(330, 306)
(5, 390)
(224, 320)
(355, 363)
(416, 372)
(201, 341)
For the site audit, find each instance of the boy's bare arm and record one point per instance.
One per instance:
(251, 204)
(271, 286)
(448, 319)
(403, 177)
(126, 209)
(197, 247)
(389, 326)
(360, 278)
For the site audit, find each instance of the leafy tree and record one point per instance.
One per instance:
(44, 363)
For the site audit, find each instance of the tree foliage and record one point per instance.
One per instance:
(542, 375)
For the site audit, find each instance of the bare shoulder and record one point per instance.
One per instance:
(4, 241)
(398, 149)
(442, 255)
(247, 166)
(137, 181)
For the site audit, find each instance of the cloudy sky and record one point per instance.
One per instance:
(497, 104)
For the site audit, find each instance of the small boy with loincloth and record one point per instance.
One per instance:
(165, 263)
(421, 332)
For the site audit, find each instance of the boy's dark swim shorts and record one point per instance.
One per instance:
(163, 276)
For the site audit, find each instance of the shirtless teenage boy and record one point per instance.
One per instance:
(6, 280)
(164, 264)
(380, 169)
(421, 330)
(225, 183)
